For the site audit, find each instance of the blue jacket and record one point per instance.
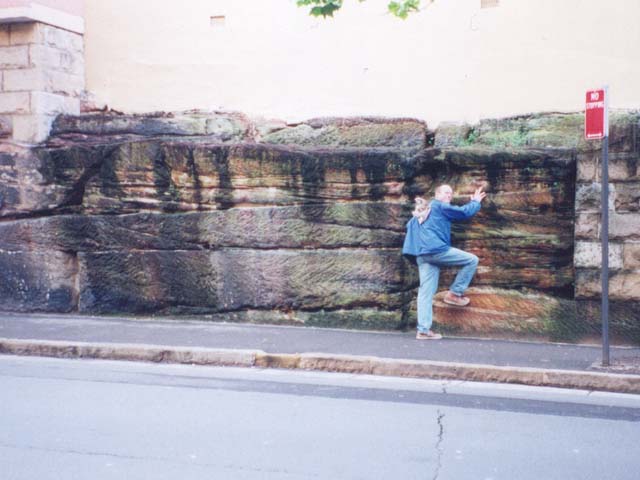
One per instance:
(434, 234)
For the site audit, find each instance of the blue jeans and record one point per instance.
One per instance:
(429, 269)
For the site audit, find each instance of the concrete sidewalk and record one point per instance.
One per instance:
(381, 353)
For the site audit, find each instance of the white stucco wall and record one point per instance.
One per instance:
(453, 61)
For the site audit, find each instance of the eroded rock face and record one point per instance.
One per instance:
(268, 222)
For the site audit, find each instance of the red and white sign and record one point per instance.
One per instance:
(596, 115)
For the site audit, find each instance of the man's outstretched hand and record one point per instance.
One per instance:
(478, 195)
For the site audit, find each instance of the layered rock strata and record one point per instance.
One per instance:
(566, 131)
(236, 219)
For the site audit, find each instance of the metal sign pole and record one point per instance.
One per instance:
(605, 233)
(605, 251)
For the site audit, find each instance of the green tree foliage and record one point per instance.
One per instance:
(326, 8)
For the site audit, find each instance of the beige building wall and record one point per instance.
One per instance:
(453, 61)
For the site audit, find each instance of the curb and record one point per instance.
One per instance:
(610, 382)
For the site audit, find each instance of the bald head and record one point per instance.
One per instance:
(444, 193)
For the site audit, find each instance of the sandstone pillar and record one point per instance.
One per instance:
(41, 66)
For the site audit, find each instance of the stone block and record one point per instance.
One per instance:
(59, 38)
(353, 132)
(587, 283)
(588, 197)
(227, 128)
(338, 226)
(64, 83)
(72, 62)
(624, 167)
(537, 130)
(451, 135)
(15, 102)
(589, 255)
(24, 33)
(31, 128)
(627, 197)
(50, 103)
(587, 165)
(631, 256)
(38, 79)
(623, 284)
(231, 280)
(45, 56)
(37, 281)
(267, 126)
(4, 34)
(14, 57)
(43, 34)
(106, 124)
(623, 131)
(587, 226)
(624, 226)
(27, 79)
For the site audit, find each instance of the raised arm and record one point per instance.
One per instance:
(453, 212)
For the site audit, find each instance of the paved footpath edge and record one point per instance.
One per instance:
(611, 382)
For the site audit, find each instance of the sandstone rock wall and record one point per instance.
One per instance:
(237, 219)
(566, 131)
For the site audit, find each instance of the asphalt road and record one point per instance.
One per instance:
(68, 419)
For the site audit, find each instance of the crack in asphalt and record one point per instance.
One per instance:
(190, 460)
(439, 449)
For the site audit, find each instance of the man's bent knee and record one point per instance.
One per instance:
(471, 259)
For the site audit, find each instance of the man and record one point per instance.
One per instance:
(429, 240)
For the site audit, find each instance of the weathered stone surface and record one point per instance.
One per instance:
(589, 255)
(626, 285)
(352, 132)
(221, 127)
(500, 311)
(173, 176)
(35, 184)
(624, 226)
(588, 196)
(262, 221)
(538, 130)
(631, 256)
(624, 167)
(37, 281)
(321, 226)
(551, 130)
(587, 226)
(298, 235)
(588, 166)
(229, 280)
(452, 135)
(145, 282)
(623, 285)
(624, 203)
(623, 319)
(627, 197)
